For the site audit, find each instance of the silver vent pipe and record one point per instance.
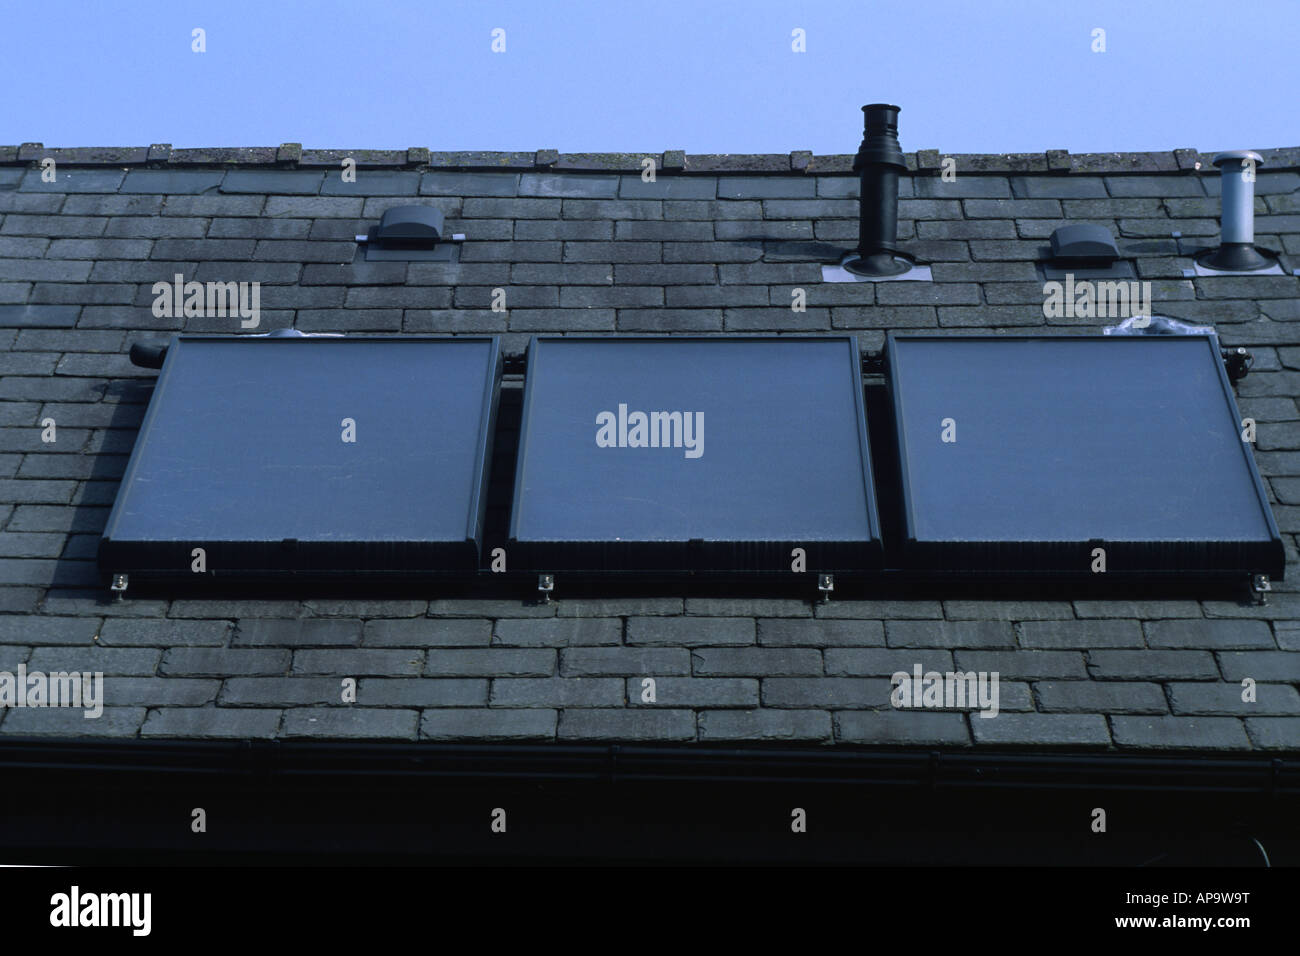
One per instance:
(1236, 251)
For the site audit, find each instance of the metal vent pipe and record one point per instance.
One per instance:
(1236, 251)
(878, 164)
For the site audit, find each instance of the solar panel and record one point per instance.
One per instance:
(309, 454)
(692, 453)
(1033, 452)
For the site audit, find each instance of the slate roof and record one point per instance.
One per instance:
(583, 244)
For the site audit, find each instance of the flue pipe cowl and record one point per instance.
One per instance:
(878, 164)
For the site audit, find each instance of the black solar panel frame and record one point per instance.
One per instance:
(1212, 559)
(699, 556)
(261, 560)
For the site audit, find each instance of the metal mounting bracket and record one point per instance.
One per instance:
(545, 585)
(119, 585)
(1259, 588)
(825, 585)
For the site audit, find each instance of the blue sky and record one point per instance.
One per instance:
(705, 76)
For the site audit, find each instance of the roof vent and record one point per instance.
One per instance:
(1237, 252)
(878, 164)
(409, 232)
(1086, 251)
(1085, 244)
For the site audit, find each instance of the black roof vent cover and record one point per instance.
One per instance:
(409, 232)
(1085, 251)
(416, 224)
(1084, 243)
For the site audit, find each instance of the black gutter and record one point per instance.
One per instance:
(288, 763)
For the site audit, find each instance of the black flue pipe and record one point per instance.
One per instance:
(878, 164)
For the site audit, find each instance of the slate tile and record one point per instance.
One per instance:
(418, 692)
(159, 691)
(1042, 730)
(277, 182)
(902, 728)
(556, 632)
(488, 724)
(766, 187)
(640, 723)
(1080, 634)
(223, 662)
(29, 630)
(612, 252)
(794, 632)
(354, 662)
(1065, 187)
(211, 722)
(1259, 665)
(1226, 698)
(1027, 665)
(178, 205)
(72, 722)
(1180, 733)
(127, 632)
(568, 186)
(547, 229)
(1110, 697)
(1162, 186)
(373, 182)
(1152, 665)
(424, 632)
(124, 661)
(983, 633)
(73, 180)
(442, 183)
(764, 724)
(1209, 634)
(1274, 733)
(172, 181)
(45, 316)
(690, 631)
(491, 662)
(297, 632)
(313, 207)
(696, 692)
(344, 722)
(825, 692)
(566, 692)
(668, 187)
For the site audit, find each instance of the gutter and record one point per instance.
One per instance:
(303, 762)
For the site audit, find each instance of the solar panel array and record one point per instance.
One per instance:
(739, 454)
